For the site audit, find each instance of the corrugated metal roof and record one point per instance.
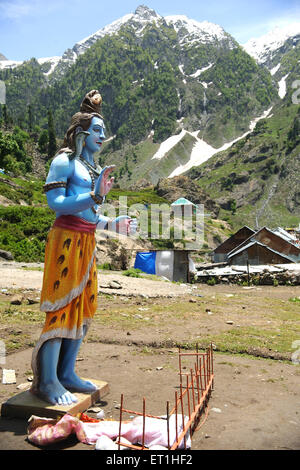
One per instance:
(233, 236)
(255, 242)
(268, 230)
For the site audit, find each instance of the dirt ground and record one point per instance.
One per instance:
(255, 404)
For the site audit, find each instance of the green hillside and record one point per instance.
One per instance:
(256, 181)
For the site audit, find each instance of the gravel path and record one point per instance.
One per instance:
(28, 276)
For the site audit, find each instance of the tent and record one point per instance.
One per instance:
(185, 207)
(171, 264)
(182, 201)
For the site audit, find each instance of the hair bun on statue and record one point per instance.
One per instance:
(91, 102)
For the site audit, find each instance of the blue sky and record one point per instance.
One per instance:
(40, 28)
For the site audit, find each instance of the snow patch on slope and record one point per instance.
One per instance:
(168, 145)
(202, 151)
(282, 86)
(53, 61)
(5, 64)
(195, 74)
(107, 30)
(275, 69)
(199, 71)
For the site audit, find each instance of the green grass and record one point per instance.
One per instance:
(18, 314)
(144, 196)
(238, 340)
(262, 324)
(132, 272)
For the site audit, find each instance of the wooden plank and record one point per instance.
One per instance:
(25, 404)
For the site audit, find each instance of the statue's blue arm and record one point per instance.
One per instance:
(102, 223)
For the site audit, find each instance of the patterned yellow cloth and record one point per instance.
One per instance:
(69, 292)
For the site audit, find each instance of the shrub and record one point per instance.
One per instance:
(23, 231)
(106, 266)
(132, 272)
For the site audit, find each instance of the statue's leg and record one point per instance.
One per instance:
(66, 368)
(49, 386)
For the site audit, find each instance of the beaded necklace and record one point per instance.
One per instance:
(92, 172)
(90, 168)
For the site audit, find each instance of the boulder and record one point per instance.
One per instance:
(16, 300)
(6, 255)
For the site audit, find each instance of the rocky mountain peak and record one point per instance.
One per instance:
(145, 13)
(190, 31)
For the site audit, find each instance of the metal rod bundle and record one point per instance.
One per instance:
(192, 402)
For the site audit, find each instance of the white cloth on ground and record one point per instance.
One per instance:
(156, 432)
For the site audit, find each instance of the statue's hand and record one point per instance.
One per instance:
(104, 183)
(122, 224)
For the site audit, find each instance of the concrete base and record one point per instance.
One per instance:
(26, 404)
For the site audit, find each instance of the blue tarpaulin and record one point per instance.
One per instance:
(159, 262)
(145, 261)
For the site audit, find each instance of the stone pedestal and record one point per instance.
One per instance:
(26, 404)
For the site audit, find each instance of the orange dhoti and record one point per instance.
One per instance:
(69, 292)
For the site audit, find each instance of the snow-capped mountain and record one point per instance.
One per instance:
(189, 31)
(265, 48)
(142, 16)
(278, 50)
(138, 20)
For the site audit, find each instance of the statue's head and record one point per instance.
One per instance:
(89, 108)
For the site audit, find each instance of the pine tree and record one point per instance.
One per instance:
(51, 135)
(5, 116)
(43, 141)
(30, 118)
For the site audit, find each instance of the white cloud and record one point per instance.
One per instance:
(284, 21)
(18, 9)
(251, 30)
(15, 10)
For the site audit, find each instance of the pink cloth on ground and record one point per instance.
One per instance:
(45, 431)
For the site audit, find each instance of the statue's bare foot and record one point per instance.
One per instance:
(74, 383)
(56, 394)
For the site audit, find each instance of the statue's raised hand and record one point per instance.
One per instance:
(104, 183)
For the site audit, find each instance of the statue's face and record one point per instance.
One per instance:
(93, 142)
